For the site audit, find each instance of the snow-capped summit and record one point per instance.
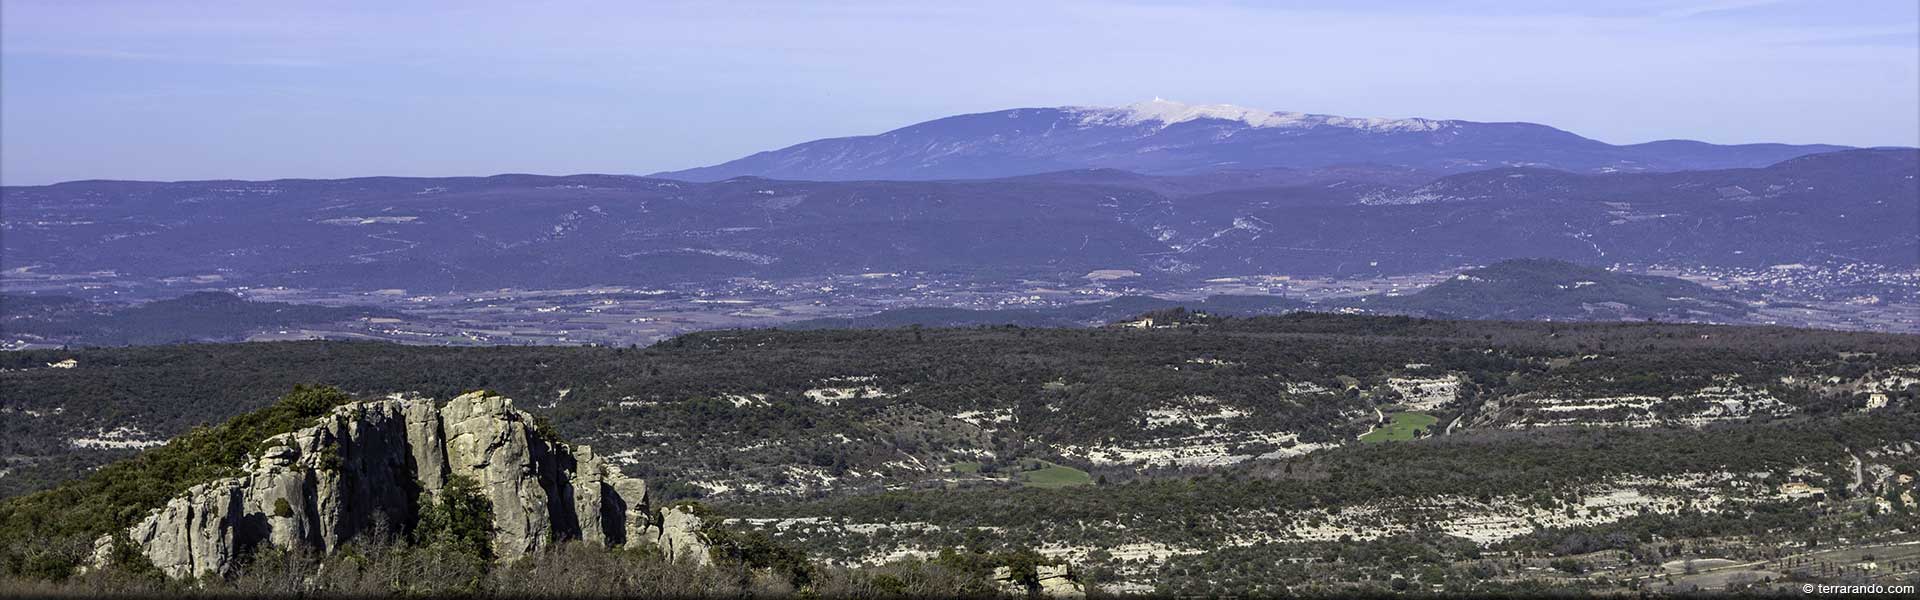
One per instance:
(1168, 112)
(1166, 137)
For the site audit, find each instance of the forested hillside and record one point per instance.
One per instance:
(1525, 289)
(1148, 456)
(908, 401)
(440, 532)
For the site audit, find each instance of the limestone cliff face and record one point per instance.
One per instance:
(371, 465)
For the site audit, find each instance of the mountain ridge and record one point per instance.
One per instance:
(1171, 138)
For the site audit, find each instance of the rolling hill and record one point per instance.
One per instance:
(1531, 289)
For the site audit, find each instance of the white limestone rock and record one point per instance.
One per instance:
(367, 467)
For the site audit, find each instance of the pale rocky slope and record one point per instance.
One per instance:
(373, 464)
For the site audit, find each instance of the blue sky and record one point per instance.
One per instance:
(259, 90)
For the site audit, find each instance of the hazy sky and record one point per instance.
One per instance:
(257, 90)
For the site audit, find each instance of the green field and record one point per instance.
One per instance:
(1050, 475)
(1401, 429)
(965, 467)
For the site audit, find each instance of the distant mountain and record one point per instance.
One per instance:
(200, 316)
(1163, 137)
(1535, 289)
(1092, 313)
(527, 231)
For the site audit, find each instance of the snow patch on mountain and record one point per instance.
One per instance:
(1168, 112)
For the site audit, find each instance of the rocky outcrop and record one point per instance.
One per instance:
(680, 536)
(1054, 581)
(367, 468)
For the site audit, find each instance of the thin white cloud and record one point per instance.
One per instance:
(135, 56)
(1718, 6)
